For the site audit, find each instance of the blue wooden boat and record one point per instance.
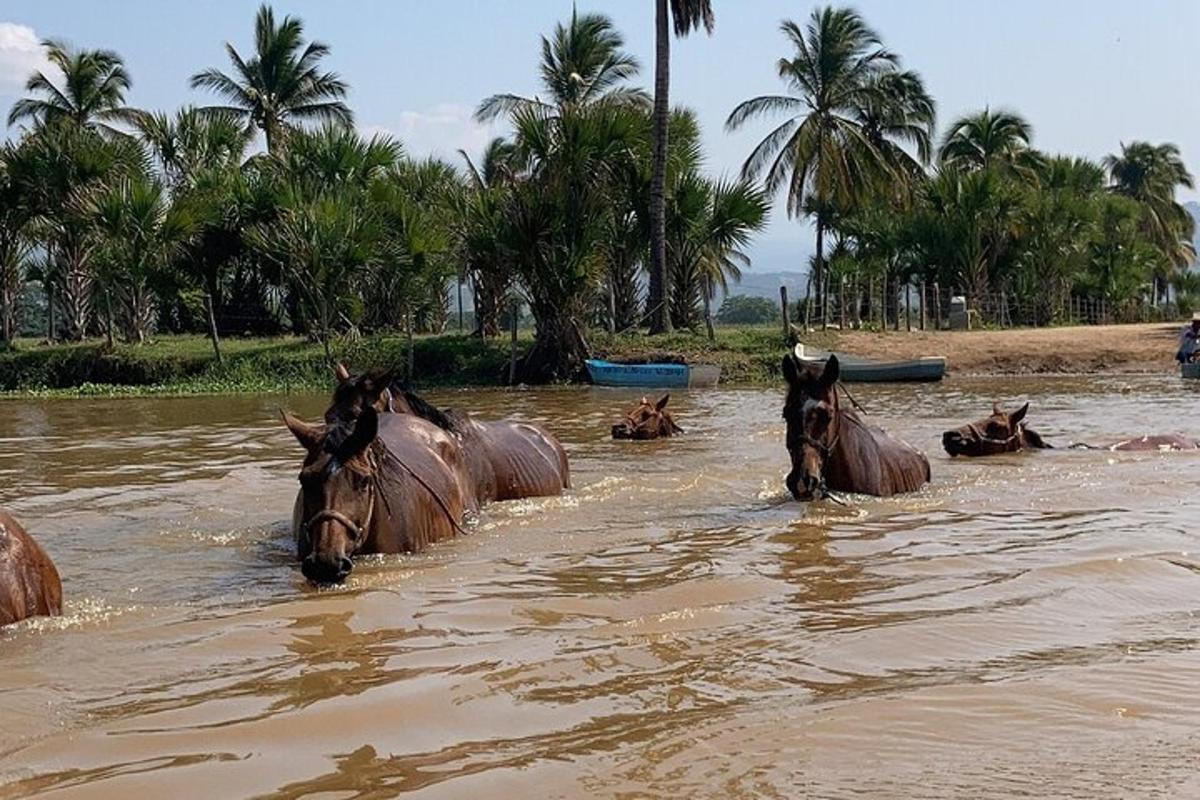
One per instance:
(652, 376)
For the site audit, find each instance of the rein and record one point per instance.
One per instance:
(433, 492)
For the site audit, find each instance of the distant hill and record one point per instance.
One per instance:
(766, 284)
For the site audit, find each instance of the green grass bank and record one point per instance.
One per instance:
(177, 365)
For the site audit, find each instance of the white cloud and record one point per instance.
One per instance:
(21, 55)
(440, 131)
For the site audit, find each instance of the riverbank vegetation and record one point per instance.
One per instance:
(122, 226)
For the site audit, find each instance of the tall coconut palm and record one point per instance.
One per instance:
(1150, 174)
(822, 152)
(899, 113)
(988, 138)
(282, 85)
(94, 83)
(583, 62)
(687, 15)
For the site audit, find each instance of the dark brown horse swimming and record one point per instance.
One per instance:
(29, 582)
(1002, 432)
(377, 483)
(1007, 433)
(832, 448)
(507, 460)
(647, 420)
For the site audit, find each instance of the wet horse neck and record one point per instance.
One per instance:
(866, 460)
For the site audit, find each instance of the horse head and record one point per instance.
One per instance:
(1002, 432)
(813, 423)
(354, 393)
(339, 490)
(647, 420)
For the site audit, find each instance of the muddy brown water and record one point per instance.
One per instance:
(673, 626)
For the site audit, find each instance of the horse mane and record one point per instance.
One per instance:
(447, 421)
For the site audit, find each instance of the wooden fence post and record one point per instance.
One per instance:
(923, 287)
(908, 306)
(787, 328)
(842, 303)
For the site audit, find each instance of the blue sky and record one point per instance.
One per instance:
(1088, 74)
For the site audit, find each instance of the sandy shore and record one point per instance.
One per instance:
(1112, 349)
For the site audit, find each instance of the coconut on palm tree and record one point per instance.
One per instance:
(282, 85)
(687, 15)
(92, 94)
(823, 152)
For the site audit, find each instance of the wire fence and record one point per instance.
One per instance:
(925, 306)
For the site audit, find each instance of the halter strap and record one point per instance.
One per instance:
(973, 428)
(359, 531)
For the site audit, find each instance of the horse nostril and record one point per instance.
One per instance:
(345, 566)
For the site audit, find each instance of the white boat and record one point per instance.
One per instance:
(855, 369)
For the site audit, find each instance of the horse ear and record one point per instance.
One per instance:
(831, 373)
(1018, 415)
(309, 436)
(645, 401)
(791, 370)
(996, 411)
(366, 427)
(662, 403)
(341, 373)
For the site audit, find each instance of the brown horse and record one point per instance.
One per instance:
(507, 460)
(647, 420)
(1002, 432)
(832, 448)
(1007, 433)
(29, 582)
(378, 483)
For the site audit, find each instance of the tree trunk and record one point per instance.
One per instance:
(708, 320)
(108, 318)
(660, 320)
(461, 324)
(49, 288)
(818, 269)
(408, 334)
(6, 316)
(559, 348)
(212, 328)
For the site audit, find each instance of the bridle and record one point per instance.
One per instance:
(982, 437)
(359, 531)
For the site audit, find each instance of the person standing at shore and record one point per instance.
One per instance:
(1189, 341)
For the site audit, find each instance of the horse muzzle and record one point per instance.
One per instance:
(953, 443)
(324, 572)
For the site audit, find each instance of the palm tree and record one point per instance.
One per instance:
(710, 224)
(582, 63)
(490, 273)
(1150, 174)
(687, 15)
(986, 139)
(897, 113)
(92, 94)
(822, 151)
(16, 212)
(282, 84)
(139, 234)
(324, 244)
(193, 142)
